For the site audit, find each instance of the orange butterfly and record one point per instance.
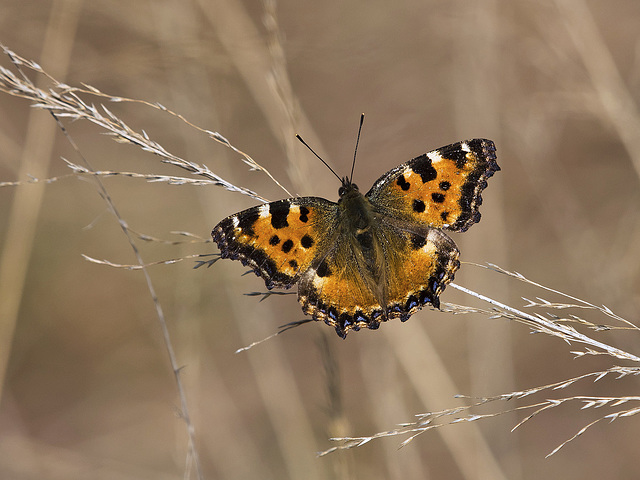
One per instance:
(373, 257)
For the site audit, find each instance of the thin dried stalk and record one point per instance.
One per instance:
(540, 324)
(138, 267)
(66, 102)
(429, 421)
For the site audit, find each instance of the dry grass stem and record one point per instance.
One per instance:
(66, 102)
(138, 267)
(151, 178)
(580, 303)
(427, 421)
(550, 326)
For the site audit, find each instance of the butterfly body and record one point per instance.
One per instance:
(369, 257)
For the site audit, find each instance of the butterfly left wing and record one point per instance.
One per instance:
(278, 240)
(441, 189)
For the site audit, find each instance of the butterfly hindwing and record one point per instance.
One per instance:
(441, 188)
(422, 267)
(278, 240)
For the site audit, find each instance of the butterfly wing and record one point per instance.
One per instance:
(278, 240)
(441, 189)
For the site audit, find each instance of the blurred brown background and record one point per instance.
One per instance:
(88, 390)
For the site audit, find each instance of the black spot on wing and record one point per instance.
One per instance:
(323, 269)
(437, 197)
(287, 246)
(402, 183)
(279, 212)
(483, 155)
(304, 215)
(262, 265)
(422, 166)
(418, 206)
(306, 241)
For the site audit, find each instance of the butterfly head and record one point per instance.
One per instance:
(347, 188)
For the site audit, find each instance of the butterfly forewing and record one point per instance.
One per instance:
(278, 240)
(441, 189)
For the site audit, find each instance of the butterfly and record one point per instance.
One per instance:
(369, 257)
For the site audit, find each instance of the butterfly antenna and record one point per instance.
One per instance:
(353, 165)
(319, 157)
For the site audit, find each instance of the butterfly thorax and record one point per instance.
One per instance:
(354, 210)
(357, 221)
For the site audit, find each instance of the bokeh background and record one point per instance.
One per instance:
(88, 390)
